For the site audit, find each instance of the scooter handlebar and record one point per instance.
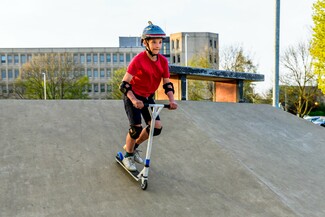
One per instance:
(156, 105)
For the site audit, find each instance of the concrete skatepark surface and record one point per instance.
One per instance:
(212, 159)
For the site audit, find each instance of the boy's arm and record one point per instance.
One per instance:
(128, 92)
(170, 93)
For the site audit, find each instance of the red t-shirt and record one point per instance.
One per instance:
(147, 74)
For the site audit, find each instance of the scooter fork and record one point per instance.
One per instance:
(154, 110)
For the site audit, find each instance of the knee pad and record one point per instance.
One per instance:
(135, 131)
(156, 131)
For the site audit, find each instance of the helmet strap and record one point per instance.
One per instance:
(148, 49)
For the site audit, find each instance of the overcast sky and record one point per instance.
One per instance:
(99, 23)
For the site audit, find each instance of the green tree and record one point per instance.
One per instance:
(265, 98)
(299, 89)
(318, 42)
(64, 78)
(199, 89)
(115, 82)
(201, 61)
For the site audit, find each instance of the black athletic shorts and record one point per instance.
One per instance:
(134, 114)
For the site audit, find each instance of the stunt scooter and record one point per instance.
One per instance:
(142, 176)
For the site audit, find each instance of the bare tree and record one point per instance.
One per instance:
(298, 78)
(234, 58)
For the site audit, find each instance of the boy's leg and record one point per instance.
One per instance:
(128, 159)
(135, 130)
(144, 133)
(147, 118)
(143, 137)
(129, 144)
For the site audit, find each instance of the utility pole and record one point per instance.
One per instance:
(277, 46)
(44, 77)
(186, 51)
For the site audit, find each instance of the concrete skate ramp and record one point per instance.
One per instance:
(212, 159)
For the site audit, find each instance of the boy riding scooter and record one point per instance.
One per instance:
(139, 84)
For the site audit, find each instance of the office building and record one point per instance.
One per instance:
(184, 46)
(99, 63)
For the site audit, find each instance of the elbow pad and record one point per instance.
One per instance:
(125, 87)
(168, 88)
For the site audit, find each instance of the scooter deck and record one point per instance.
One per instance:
(134, 174)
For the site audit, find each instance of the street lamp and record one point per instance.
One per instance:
(277, 45)
(44, 78)
(186, 35)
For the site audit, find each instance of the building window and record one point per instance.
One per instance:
(95, 58)
(101, 58)
(115, 58)
(95, 73)
(108, 58)
(121, 58)
(102, 88)
(174, 59)
(16, 59)
(16, 73)
(96, 88)
(89, 74)
(108, 73)
(102, 73)
(128, 57)
(23, 58)
(82, 58)
(90, 86)
(173, 44)
(9, 59)
(3, 59)
(88, 58)
(215, 44)
(210, 43)
(178, 58)
(3, 74)
(177, 43)
(75, 58)
(165, 49)
(10, 74)
(82, 71)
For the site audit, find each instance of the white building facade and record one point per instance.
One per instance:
(100, 63)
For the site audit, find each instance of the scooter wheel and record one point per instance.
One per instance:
(120, 155)
(144, 185)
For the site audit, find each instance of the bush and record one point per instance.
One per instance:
(318, 111)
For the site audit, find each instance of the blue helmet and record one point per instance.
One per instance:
(153, 31)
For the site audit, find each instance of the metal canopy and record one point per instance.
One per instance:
(213, 74)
